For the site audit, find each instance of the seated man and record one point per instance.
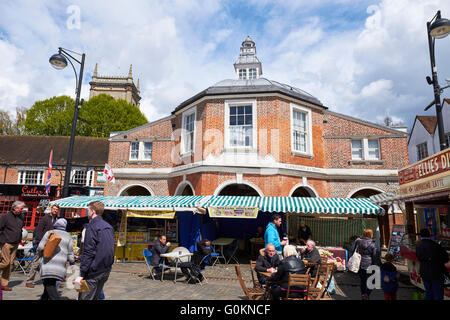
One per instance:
(160, 247)
(192, 268)
(267, 262)
(311, 254)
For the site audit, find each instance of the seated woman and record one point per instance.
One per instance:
(289, 265)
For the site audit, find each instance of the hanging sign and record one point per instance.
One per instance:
(155, 214)
(122, 238)
(233, 212)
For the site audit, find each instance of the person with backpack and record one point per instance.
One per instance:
(53, 269)
(366, 247)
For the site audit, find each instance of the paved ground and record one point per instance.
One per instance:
(130, 281)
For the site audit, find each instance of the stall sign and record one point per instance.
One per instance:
(433, 184)
(233, 212)
(155, 214)
(397, 235)
(430, 166)
(74, 236)
(122, 237)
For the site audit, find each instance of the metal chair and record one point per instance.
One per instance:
(27, 259)
(232, 251)
(147, 258)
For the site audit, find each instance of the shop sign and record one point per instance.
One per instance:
(100, 177)
(155, 214)
(428, 167)
(233, 212)
(427, 186)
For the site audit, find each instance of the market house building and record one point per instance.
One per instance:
(252, 136)
(24, 168)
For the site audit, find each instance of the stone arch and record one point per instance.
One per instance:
(136, 189)
(303, 190)
(182, 189)
(230, 184)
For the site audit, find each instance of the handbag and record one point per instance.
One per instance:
(354, 261)
(51, 245)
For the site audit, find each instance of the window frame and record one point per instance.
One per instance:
(140, 151)
(425, 144)
(308, 126)
(22, 176)
(240, 103)
(365, 149)
(90, 175)
(184, 116)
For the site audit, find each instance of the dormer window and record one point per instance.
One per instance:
(252, 73)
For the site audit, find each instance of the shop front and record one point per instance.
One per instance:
(425, 191)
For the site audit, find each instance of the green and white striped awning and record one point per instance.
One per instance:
(135, 202)
(299, 205)
(267, 204)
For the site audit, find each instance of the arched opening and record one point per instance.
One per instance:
(238, 189)
(303, 192)
(187, 191)
(136, 191)
(365, 193)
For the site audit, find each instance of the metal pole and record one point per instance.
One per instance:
(437, 89)
(73, 133)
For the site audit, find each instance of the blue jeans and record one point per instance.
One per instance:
(434, 290)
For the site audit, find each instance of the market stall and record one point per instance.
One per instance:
(425, 192)
(142, 219)
(333, 220)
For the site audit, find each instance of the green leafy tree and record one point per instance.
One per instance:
(105, 115)
(50, 117)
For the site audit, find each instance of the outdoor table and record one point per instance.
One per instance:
(222, 242)
(176, 255)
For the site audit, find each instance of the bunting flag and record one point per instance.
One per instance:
(49, 175)
(108, 174)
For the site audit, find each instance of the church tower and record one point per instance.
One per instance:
(247, 65)
(117, 87)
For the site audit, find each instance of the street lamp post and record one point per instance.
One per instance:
(59, 61)
(437, 29)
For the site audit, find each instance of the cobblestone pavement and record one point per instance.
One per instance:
(131, 281)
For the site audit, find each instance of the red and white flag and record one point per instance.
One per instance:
(108, 174)
(49, 174)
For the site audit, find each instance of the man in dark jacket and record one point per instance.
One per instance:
(432, 259)
(160, 247)
(267, 262)
(44, 225)
(98, 252)
(304, 233)
(11, 224)
(311, 254)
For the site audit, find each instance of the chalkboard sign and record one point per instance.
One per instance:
(397, 235)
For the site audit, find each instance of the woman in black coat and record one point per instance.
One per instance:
(291, 264)
(369, 256)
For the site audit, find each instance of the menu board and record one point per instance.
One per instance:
(397, 235)
(233, 212)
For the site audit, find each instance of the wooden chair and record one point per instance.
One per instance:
(251, 293)
(323, 277)
(324, 259)
(256, 283)
(298, 280)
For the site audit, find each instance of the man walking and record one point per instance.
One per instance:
(272, 236)
(11, 225)
(45, 224)
(432, 259)
(97, 257)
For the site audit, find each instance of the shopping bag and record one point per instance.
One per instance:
(83, 287)
(51, 245)
(354, 262)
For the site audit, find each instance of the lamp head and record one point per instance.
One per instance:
(440, 28)
(58, 61)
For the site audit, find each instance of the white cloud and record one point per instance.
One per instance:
(356, 57)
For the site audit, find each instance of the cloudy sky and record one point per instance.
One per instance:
(362, 58)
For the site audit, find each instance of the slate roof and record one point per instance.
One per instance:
(35, 150)
(247, 86)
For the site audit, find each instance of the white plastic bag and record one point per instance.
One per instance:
(354, 261)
